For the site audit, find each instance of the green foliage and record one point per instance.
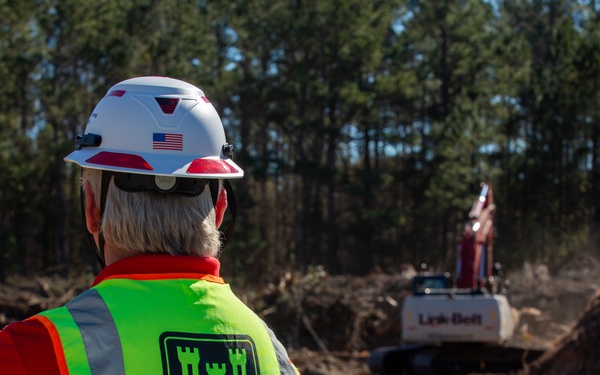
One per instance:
(364, 127)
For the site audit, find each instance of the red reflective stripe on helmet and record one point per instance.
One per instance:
(117, 159)
(216, 166)
(118, 93)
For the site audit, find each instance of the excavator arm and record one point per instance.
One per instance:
(475, 247)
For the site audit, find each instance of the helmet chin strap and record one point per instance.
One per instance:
(106, 177)
(232, 206)
(103, 193)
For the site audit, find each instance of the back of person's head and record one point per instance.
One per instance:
(161, 144)
(155, 222)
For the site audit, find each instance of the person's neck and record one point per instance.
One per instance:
(113, 253)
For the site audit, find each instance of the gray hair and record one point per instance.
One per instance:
(153, 222)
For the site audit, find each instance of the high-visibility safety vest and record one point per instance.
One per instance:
(162, 326)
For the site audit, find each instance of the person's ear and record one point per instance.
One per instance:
(92, 213)
(220, 207)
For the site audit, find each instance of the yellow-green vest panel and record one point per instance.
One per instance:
(172, 326)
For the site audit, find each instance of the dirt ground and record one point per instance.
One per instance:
(331, 323)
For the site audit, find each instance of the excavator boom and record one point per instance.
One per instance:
(475, 247)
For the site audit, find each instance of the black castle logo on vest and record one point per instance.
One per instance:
(208, 354)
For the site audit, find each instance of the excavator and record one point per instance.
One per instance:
(458, 325)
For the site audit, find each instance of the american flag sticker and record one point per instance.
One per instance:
(167, 141)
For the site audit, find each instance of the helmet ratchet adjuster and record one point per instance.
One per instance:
(132, 182)
(88, 140)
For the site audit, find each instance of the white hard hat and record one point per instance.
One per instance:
(156, 126)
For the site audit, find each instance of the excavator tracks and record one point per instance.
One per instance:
(449, 359)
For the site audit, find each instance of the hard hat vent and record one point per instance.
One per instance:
(118, 93)
(167, 105)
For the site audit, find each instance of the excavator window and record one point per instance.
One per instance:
(432, 284)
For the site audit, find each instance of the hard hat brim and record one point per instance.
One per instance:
(144, 163)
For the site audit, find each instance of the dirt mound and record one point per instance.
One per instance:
(315, 363)
(333, 321)
(548, 303)
(334, 313)
(22, 297)
(577, 351)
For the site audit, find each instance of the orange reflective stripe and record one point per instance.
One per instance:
(57, 344)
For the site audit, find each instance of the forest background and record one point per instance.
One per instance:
(364, 126)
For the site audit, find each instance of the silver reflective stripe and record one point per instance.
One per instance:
(285, 367)
(99, 333)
